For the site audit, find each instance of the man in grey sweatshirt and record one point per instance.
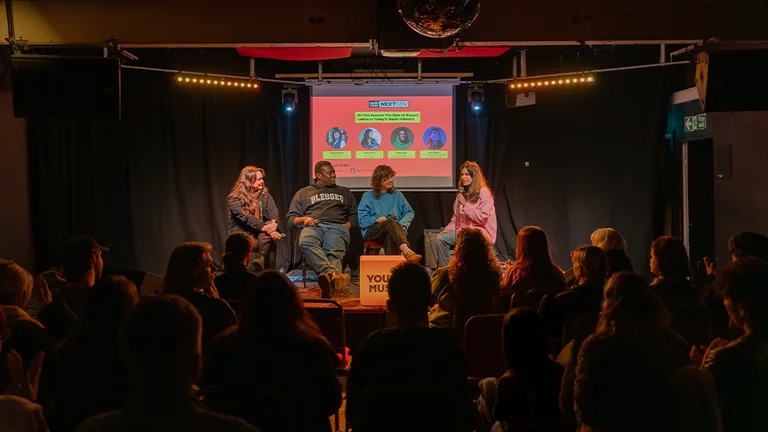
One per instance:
(325, 211)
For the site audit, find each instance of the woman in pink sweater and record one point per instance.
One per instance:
(473, 208)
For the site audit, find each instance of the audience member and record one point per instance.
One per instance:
(232, 282)
(669, 263)
(623, 374)
(277, 349)
(474, 282)
(190, 274)
(90, 360)
(533, 270)
(740, 369)
(82, 266)
(18, 412)
(162, 346)
(526, 396)
(410, 355)
(743, 245)
(615, 248)
(23, 334)
(580, 304)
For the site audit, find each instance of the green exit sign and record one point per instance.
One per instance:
(695, 123)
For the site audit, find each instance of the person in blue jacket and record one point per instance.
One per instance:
(384, 215)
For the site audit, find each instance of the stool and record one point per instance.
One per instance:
(373, 248)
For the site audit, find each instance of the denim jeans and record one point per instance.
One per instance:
(445, 241)
(324, 246)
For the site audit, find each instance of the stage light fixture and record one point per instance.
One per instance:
(216, 82)
(290, 97)
(546, 83)
(476, 99)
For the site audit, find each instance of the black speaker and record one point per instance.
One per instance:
(732, 80)
(65, 87)
(724, 161)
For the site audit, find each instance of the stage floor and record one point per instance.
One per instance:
(349, 297)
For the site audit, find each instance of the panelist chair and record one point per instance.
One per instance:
(373, 248)
(301, 261)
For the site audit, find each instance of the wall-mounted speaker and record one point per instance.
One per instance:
(65, 87)
(732, 80)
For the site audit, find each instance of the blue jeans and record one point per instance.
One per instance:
(324, 246)
(445, 241)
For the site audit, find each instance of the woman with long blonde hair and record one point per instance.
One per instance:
(252, 210)
(473, 208)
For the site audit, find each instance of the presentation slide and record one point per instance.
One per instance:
(408, 127)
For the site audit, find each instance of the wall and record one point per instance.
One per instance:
(15, 226)
(741, 202)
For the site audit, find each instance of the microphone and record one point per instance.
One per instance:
(461, 191)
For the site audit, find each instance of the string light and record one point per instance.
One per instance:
(242, 84)
(546, 83)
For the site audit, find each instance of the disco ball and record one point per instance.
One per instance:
(438, 18)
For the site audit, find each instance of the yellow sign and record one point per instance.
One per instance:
(388, 117)
(374, 277)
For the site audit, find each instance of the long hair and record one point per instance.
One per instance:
(592, 263)
(180, 278)
(439, 142)
(608, 239)
(274, 311)
(236, 248)
(672, 257)
(474, 270)
(381, 173)
(629, 301)
(243, 189)
(367, 136)
(472, 193)
(532, 255)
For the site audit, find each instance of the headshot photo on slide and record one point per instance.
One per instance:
(370, 138)
(434, 138)
(402, 138)
(336, 138)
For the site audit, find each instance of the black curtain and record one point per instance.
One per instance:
(160, 175)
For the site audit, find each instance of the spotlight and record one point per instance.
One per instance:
(208, 81)
(476, 99)
(290, 97)
(180, 79)
(590, 79)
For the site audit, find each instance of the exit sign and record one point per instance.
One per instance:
(695, 123)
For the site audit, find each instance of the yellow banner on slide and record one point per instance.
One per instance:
(337, 155)
(369, 154)
(401, 154)
(433, 154)
(388, 117)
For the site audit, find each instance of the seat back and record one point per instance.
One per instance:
(329, 316)
(413, 407)
(531, 298)
(482, 346)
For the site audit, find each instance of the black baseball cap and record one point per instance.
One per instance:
(82, 244)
